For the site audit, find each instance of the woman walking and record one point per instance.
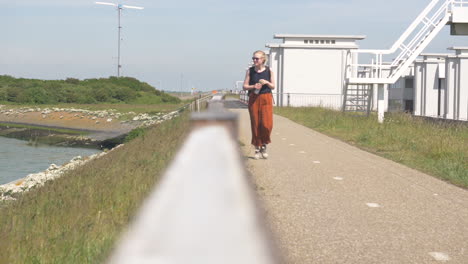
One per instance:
(259, 81)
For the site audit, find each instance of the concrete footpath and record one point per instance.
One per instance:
(329, 202)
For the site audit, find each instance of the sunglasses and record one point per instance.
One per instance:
(255, 59)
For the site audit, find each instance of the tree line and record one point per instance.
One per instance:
(89, 91)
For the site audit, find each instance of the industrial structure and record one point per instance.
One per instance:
(341, 81)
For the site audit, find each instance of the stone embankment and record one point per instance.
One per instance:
(8, 191)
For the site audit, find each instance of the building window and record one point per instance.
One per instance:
(306, 41)
(317, 41)
(395, 105)
(322, 41)
(333, 41)
(409, 83)
(409, 106)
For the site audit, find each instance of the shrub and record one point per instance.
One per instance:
(72, 81)
(90, 91)
(137, 132)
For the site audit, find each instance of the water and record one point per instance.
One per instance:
(17, 159)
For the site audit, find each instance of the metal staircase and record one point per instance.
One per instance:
(404, 51)
(358, 98)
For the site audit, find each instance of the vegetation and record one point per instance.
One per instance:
(137, 132)
(91, 91)
(436, 148)
(78, 217)
(232, 95)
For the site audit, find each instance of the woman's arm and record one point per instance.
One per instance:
(246, 82)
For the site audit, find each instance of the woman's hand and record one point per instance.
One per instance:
(263, 82)
(258, 85)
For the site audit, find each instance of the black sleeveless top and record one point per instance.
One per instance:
(255, 77)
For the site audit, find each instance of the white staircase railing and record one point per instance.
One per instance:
(413, 41)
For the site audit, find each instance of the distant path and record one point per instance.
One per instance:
(329, 202)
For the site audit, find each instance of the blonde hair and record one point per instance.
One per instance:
(265, 59)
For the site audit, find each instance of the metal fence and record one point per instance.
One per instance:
(204, 210)
(199, 104)
(331, 101)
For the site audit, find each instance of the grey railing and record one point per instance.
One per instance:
(204, 210)
(200, 103)
(330, 101)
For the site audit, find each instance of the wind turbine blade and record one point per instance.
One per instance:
(133, 7)
(105, 3)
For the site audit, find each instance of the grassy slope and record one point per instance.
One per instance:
(437, 149)
(77, 218)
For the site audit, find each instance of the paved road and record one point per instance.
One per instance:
(329, 202)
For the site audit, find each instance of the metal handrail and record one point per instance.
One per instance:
(440, 14)
(406, 34)
(411, 49)
(204, 210)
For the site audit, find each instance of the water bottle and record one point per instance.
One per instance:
(257, 91)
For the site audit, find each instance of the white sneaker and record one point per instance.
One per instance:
(257, 154)
(263, 150)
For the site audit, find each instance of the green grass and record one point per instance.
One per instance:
(234, 96)
(77, 218)
(436, 148)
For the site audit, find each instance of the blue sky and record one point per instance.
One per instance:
(208, 42)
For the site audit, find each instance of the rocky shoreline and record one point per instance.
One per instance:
(9, 190)
(102, 125)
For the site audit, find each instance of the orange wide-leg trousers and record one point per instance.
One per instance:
(261, 118)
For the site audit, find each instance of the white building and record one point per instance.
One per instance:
(401, 93)
(436, 85)
(441, 85)
(310, 69)
(429, 81)
(323, 70)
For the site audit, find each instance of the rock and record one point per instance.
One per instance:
(77, 158)
(109, 120)
(53, 167)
